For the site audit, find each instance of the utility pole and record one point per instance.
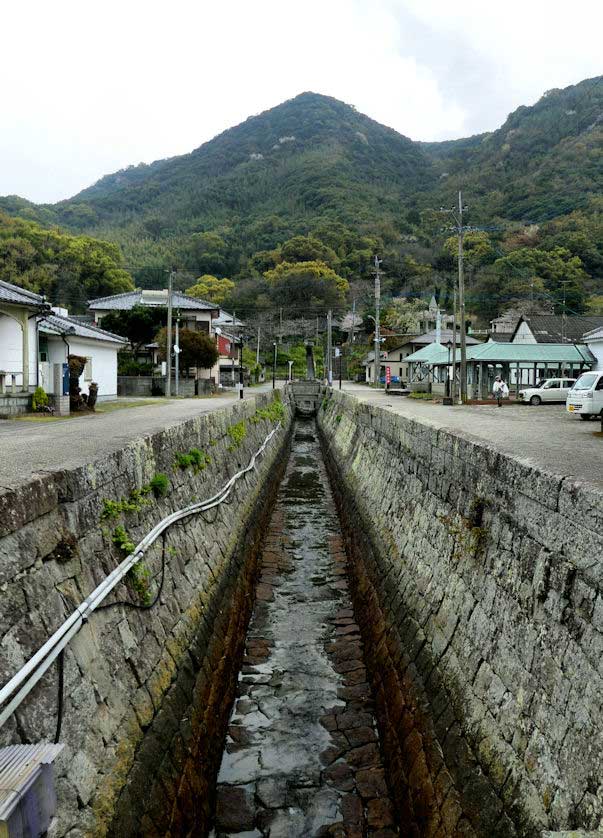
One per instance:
(168, 352)
(280, 334)
(353, 320)
(240, 366)
(257, 351)
(460, 229)
(329, 349)
(232, 347)
(462, 304)
(177, 353)
(274, 366)
(564, 283)
(453, 394)
(377, 359)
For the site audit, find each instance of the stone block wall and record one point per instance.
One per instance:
(479, 577)
(140, 685)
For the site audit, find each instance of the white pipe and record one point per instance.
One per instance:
(37, 665)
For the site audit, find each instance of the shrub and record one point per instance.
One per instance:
(183, 461)
(139, 577)
(159, 485)
(200, 459)
(122, 540)
(39, 399)
(237, 433)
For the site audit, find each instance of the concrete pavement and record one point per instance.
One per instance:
(544, 436)
(29, 447)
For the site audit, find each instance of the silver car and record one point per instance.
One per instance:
(550, 390)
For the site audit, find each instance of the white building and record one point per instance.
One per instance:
(594, 341)
(61, 336)
(20, 312)
(196, 315)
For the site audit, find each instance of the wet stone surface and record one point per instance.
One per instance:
(302, 755)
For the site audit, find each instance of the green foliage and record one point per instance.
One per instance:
(306, 283)
(200, 460)
(196, 349)
(159, 485)
(183, 461)
(196, 459)
(139, 325)
(68, 269)
(421, 396)
(139, 578)
(237, 434)
(128, 365)
(274, 412)
(133, 503)
(39, 399)
(122, 540)
(210, 288)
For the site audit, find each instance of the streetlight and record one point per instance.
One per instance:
(274, 366)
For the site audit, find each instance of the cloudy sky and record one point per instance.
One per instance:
(92, 87)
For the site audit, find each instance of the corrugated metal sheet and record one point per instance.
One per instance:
(20, 766)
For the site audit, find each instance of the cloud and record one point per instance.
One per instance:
(96, 87)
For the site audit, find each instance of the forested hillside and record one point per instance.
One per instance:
(312, 180)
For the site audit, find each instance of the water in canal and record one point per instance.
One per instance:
(302, 755)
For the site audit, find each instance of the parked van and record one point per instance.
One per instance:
(586, 396)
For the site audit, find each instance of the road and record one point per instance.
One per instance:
(29, 447)
(544, 436)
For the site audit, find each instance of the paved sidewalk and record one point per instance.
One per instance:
(545, 436)
(28, 447)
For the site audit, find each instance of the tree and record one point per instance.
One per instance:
(401, 314)
(208, 252)
(197, 349)
(209, 287)
(138, 324)
(306, 284)
(477, 249)
(308, 249)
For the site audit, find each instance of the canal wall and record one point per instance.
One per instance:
(477, 587)
(147, 692)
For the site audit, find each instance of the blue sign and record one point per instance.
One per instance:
(65, 379)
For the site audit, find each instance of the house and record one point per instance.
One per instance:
(20, 312)
(518, 363)
(396, 357)
(196, 315)
(554, 328)
(61, 336)
(594, 342)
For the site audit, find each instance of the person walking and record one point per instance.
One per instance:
(500, 390)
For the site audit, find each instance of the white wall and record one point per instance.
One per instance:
(524, 334)
(596, 347)
(11, 347)
(103, 364)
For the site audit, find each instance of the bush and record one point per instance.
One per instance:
(39, 399)
(160, 485)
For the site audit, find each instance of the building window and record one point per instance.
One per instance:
(88, 370)
(203, 326)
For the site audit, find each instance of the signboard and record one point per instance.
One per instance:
(388, 375)
(65, 379)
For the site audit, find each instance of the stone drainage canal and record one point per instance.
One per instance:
(302, 754)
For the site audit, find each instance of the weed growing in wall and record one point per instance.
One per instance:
(139, 578)
(159, 485)
(133, 503)
(237, 433)
(195, 459)
(122, 540)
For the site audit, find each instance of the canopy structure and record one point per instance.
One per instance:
(518, 363)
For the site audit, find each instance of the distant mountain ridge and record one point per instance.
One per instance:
(314, 159)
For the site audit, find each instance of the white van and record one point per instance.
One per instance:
(586, 396)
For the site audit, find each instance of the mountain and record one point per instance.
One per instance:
(315, 165)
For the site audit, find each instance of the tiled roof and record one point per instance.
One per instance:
(19, 296)
(127, 300)
(57, 324)
(594, 334)
(445, 336)
(553, 328)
